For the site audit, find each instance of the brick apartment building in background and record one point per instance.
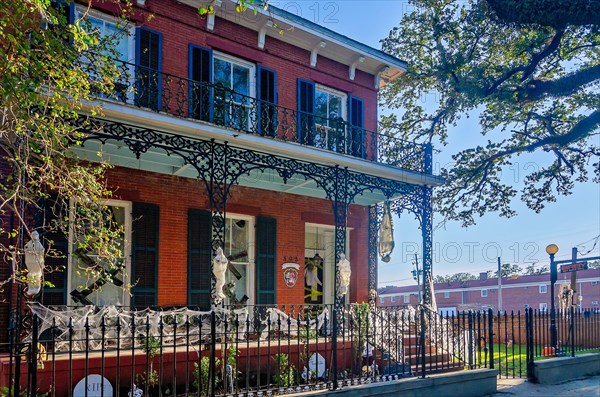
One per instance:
(518, 293)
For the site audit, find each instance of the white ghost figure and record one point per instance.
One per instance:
(344, 273)
(386, 234)
(34, 260)
(220, 263)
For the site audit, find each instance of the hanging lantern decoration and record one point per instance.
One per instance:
(34, 260)
(386, 234)
(220, 263)
(344, 272)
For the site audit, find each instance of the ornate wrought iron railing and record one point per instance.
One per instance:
(213, 103)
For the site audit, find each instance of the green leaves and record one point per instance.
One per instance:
(534, 87)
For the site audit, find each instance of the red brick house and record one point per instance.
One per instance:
(227, 134)
(518, 293)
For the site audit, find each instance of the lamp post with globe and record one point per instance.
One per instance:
(551, 250)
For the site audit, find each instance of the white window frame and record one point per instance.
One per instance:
(129, 28)
(484, 293)
(594, 303)
(526, 305)
(393, 298)
(334, 92)
(594, 282)
(250, 279)
(127, 230)
(543, 289)
(406, 298)
(381, 300)
(446, 295)
(544, 306)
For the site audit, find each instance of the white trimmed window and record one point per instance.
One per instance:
(406, 298)
(330, 105)
(543, 289)
(446, 295)
(484, 293)
(239, 76)
(543, 306)
(594, 303)
(381, 300)
(526, 306)
(393, 298)
(239, 247)
(86, 267)
(594, 282)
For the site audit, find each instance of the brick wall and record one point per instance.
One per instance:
(181, 25)
(176, 195)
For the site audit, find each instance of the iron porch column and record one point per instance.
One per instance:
(427, 229)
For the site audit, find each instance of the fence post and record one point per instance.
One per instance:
(572, 326)
(470, 343)
(334, 355)
(529, 342)
(33, 356)
(422, 344)
(491, 336)
(213, 351)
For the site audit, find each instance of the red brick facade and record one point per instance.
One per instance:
(176, 195)
(533, 291)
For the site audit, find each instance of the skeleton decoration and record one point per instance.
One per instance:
(34, 260)
(344, 272)
(220, 263)
(386, 234)
(565, 296)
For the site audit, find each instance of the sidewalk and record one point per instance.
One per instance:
(588, 387)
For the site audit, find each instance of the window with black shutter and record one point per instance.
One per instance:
(267, 95)
(306, 112)
(144, 254)
(266, 260)
(357, 123)
(199, 258)
(148, 69)
(200, 74)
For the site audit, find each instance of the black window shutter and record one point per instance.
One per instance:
(200, 64)
(267, 94)
(199, 258)
(58, 262)
(266, 260)
(144, 252)
(306, 112)
(148, 76)
(357, 124)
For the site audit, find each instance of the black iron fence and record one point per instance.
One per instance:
(216, 104)
(271, 350)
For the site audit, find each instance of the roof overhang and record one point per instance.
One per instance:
(302, 33)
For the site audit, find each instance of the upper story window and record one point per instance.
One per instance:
(330, 106)
(110, 30)
(446, 295)
(393, 298)
(543, 289)
(406, 298)
(484, 293)
(381, 300)
(235, 108)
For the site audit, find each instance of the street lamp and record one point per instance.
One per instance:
(551, 250)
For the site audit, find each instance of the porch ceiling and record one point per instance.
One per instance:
(156, 160)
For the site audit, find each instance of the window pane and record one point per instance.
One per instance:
(321, 107)
(222, 72)
(335, 106)
(237, 234)
(241, 80)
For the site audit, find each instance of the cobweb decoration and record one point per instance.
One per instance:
(111, 327)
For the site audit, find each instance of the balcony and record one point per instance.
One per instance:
(219, 106)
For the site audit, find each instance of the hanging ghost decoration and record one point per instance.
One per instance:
(344, 273)
(386, 233)
(220, 263)
(34, 260)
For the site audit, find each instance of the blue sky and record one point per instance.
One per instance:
(569, 222)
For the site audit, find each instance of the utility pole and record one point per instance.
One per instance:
(499, 285)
